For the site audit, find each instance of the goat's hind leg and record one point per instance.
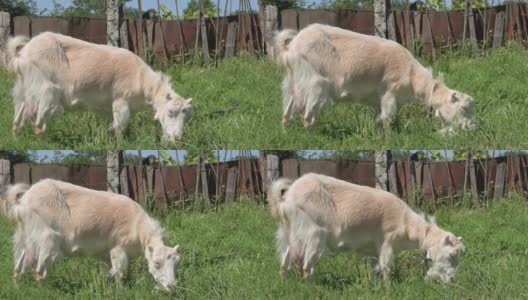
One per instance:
(48, 252)
(312, 253)
(20, 109)
(47, 104)
(317, 97)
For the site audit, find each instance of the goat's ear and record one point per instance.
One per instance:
(157, 116)
(453, 98)
(448, 241)
(188, 101)
(150, 250)
(176, 248)
(19, 195)
(459, 238)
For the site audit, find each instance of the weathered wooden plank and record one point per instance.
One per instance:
(498, 33)
(5, 172)
(431, 182)
(203, 32)
(203, 176)
(231, 39)
(232, 184)
(392, 26)
(272, 163)
(123, 181)
(473, 180)
(271, 25)
(471, 20)
(123, 28)
(393, 179)
(500, 176)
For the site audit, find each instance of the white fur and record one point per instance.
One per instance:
(56, 219)
(324, 63)
(57, 73)
(319, 214)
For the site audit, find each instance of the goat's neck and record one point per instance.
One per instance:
(417, 228)
(151, 83)
(149, 234)
(422, 83)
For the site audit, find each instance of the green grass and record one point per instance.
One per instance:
(497, 82)
(230, 254)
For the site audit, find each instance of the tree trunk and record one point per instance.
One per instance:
(382, 10)
(114, 159)
(112, 23)
(5, 31)
(383, 160)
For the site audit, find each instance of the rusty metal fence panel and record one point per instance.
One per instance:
(435, 181)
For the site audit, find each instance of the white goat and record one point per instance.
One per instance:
(318, 214)
(56, 219)
(325, 63)
(56, 73)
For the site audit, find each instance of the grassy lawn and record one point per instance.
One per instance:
(230, 254)
(252, 88)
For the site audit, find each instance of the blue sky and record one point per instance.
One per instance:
(46, 155)
(147, 4)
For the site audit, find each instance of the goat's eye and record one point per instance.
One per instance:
(157, 265)
(168, 97)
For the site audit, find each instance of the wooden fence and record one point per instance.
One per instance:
(489, 27)
(166, 38)
(434, 181)
(433, 29)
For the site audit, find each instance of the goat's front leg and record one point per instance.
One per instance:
(386, 260)
(121, 115)
(119, 261)
(388, 110)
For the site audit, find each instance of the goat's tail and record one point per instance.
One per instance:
(281, 41)
(11, 200)
(14, 45)
(275, 192)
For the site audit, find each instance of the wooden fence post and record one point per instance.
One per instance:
(232, 184)
(272, 166)
(498, 32)
(203, 32)
(500, 177)
(473, 179)
(271, 25)
(393, 178)
(262, 165)
(471, 20)
(203, 176)
(123, 181)
(5, 31)
(123, 29)
(231, 39)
